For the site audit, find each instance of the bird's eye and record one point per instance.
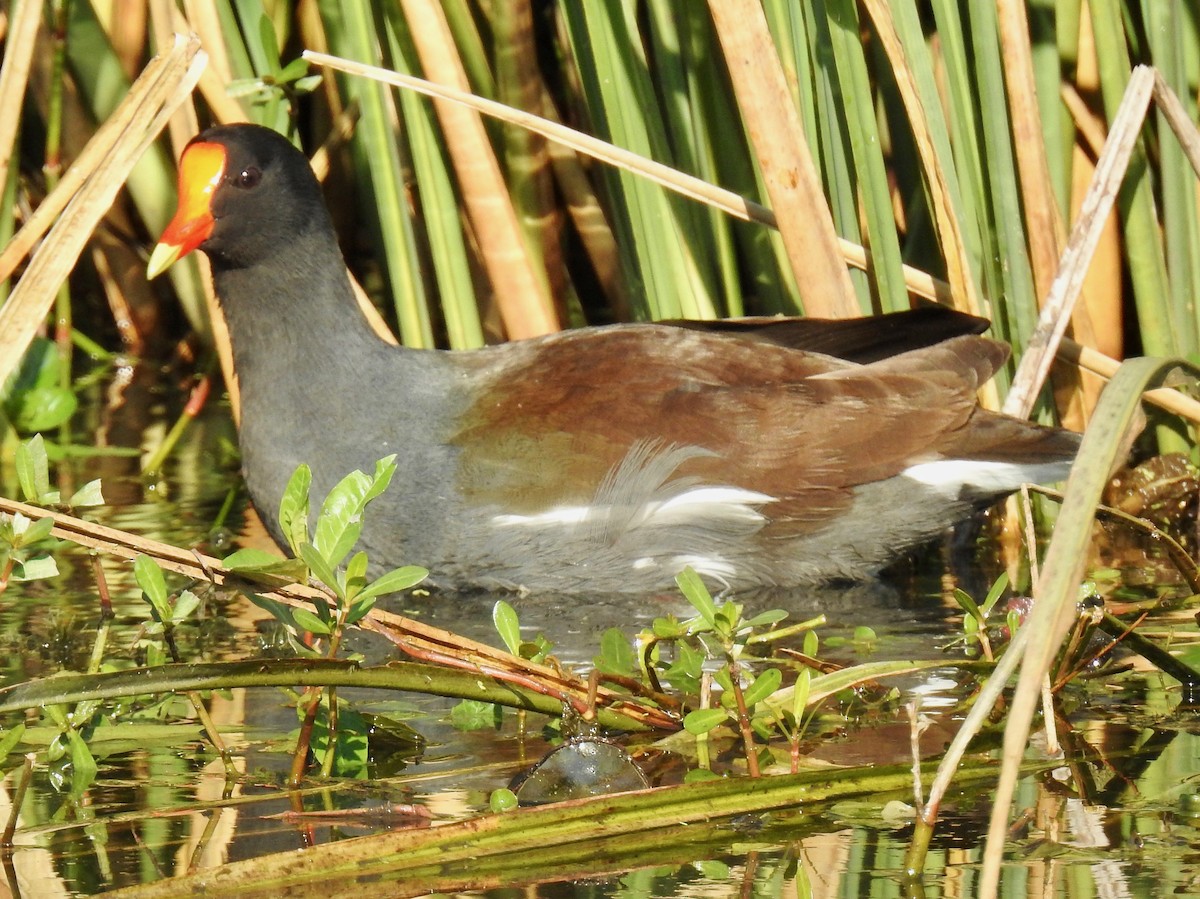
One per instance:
(247, 178)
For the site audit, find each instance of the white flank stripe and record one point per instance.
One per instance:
(696, 506)
(716, 496)
(559, 515)
(949, 476)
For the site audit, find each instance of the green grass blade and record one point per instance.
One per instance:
(832, 147)
(352, 33)
(1166, 27)
(439, 204)
(866, 148)
(1147, 265)
(659, 260)
(1005, 244)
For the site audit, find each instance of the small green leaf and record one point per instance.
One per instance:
(616, 655)
(294, 70)
(471, 714)
(35, 531)
(712, 869)
(684, 673)
(33, 469)
(994, 594)
(811, 644)
(967, 604)
(394, 581)
(58, 747)
(535, 650)
(764, 685)
(155, 653)
(504, 617)
(668, 628)
(88, 495)
(701, 721)
(359, 609)
(800, 693)
(323, 611)
(36, 568)
(265, 568)
(245, 87)
(249, 558)
(697, 594)
(43, 409)
(895, 812)
(864, 634)
(293, 508)
(729, 617)
(341, 512)
(384, 469)
(765, 619)
(340, 523)
(321, 568)
(307, 85)
(351, 749)
(84, 711)
(154, 587)
(279, 611)
(11, 739)
(186, 603)
(356, 574)
(83, 763)
(310, 621)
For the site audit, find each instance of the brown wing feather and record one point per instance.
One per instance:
(553, 419)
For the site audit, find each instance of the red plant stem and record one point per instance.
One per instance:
(304, 740)
(743, 720)
(580, 705)
(106, 609)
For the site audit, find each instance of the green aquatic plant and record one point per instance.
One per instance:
(26, 546)
(323, 556)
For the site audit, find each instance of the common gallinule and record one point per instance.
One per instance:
(599, 459)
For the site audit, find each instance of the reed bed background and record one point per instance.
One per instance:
(957, 139)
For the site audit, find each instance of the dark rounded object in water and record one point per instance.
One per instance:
(579, 769)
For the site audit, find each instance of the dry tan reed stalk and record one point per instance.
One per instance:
(727, 201)
(945, 218)
(1085, 234)
(789, 173)
(521, 296)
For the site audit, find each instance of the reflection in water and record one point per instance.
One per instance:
(161, 804)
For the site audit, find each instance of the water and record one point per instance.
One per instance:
(1118, 817)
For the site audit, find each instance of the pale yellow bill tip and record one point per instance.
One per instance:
(163, 257)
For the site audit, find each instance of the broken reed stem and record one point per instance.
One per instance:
(914, 739)
(743, 718)
(1085, 235)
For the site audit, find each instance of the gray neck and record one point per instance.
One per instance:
(302, 312)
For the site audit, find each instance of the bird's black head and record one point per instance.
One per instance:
(245, 194)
